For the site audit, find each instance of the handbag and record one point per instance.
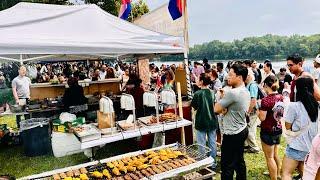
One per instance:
(278, 110)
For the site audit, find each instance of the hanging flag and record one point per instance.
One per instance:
(175, 8)
(125, 9)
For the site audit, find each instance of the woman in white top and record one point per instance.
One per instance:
(125, 78)
(300, 118)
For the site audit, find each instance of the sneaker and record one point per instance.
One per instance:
(297, 177)
(266, 173)
(212, 169)
(219, 153)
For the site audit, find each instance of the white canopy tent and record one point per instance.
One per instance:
(45, 31)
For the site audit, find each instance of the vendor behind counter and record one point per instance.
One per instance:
(74, 95)
(134, 87)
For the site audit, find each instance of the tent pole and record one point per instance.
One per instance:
(186, 47)
(185, 54)
(21, 61)
(39, 57)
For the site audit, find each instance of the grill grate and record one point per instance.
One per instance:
(195, 151)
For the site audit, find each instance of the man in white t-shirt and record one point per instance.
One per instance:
(316, 72)
(21, 85)
(103, 72)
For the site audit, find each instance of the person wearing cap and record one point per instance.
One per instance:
(21, 86)
(316, 72)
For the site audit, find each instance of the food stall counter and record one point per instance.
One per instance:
(48, 90)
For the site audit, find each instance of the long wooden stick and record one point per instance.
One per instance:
(183, 138)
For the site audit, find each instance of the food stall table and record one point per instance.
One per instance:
(201, 161)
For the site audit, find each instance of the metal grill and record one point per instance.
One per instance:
(195, 151)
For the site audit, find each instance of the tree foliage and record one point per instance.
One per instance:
(5, 4)
(111, 6)
(138, 9)
(268, 46)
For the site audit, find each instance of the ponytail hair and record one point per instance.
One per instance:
(272, 82)
(304, 94)
(275, 86)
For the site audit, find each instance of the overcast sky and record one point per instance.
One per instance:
(227, 20)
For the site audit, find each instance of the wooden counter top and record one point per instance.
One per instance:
(111, 80)
(48, 90)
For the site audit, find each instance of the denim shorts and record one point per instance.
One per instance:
(270, 139)
(295, 154)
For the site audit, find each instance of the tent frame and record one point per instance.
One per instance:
(22, 60)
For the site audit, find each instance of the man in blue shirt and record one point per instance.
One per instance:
(252, 87)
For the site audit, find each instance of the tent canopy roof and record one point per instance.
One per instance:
(30, 28)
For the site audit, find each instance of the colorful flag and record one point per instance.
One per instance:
(175, 8)
(125, 9)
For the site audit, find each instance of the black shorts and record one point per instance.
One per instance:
(270, 139)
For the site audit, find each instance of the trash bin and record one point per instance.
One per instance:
(35, 135)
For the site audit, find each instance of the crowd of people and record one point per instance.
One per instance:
(94, 70)
(235, 100)
(231, 102)
(59, 72)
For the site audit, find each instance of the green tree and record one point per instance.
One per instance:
(268, 46)
(111, 6)
(8, 3)
(138, 9)
(5, 4)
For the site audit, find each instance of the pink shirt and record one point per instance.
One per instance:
(197, 71)
(312, 162)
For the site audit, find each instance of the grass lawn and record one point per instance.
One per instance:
(13, 162)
